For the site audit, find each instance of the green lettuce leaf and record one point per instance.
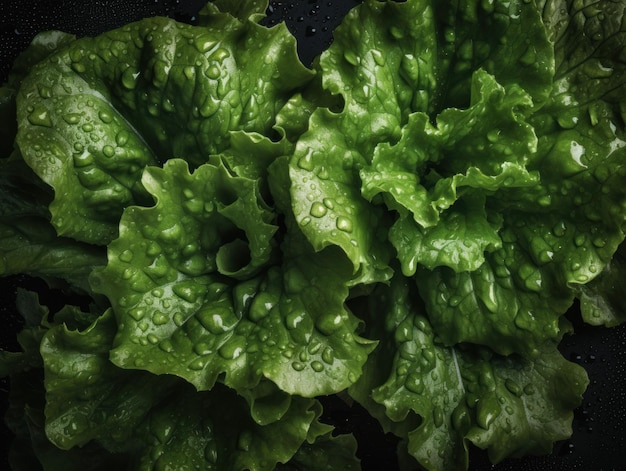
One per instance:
(327, 453)
(507, 39)
(96, 112)
(226, 306)
(151, 418)
(28, 242)
(440, 398)
(40, 47)
(408, 221)
(85, 392)
(601, 300)
(444, 173)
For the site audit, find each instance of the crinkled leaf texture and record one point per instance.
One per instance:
(138, 420)
(441, 398)
(601, 300)
(498, 191)
(198, 291)
(28, 242)
(409, 220)
(160, 420)
(94, 113)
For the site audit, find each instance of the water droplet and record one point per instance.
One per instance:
(303, 355)
(454, 301)
(179, 319)
(317, 366)
(599, 242)
(129, 78)
(233, 349)
(318, 210)
(351, 57)
(108, 151)
(306, 161)
(202, 348)
(344, 224)
(294, 318)
(513, 387)
(187, 291)
(159, 318)
(580, 240)
(166, 346)
(328, 356)
(198, 364)
(404, 332)
(524, 320)
(486, 412)
(137, 313)
(122, 137)
(204, 43)
(213, 72)
(39, 117)
(379, 57)
(409, 68)
(460, 418)
(414, 383)
(172, 234)
(71, 118)
(314, 347)
(429, 357)
(126, 256)
(559, 229)
(298, 366)
(210, 451)
(79, 67)
(493, 135)
(438, 416)
(329, 323)
(217, 319)
(261, 305)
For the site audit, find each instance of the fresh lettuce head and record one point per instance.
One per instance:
(404, 224)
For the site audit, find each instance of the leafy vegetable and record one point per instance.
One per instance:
(406, 223)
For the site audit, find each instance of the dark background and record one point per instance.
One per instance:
(598, 440)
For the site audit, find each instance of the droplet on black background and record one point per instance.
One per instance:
(23, 19)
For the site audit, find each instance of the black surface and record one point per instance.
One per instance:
(598, 440)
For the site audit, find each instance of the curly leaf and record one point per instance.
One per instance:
(96, 112)
(441, 398)
(197, 292)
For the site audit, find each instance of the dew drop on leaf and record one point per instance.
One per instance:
(438, 416)
(40, 117)
(166, 346)
(328, 356)
(159, 318)
(210, 452)
(198, 364)
(414, 383)
(513, 387)
(344, 224)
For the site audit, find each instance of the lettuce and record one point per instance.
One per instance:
(403, 224)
